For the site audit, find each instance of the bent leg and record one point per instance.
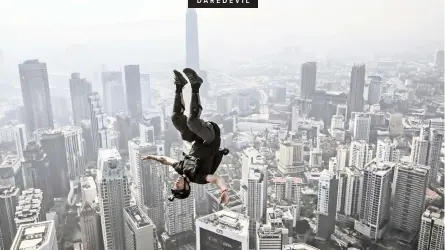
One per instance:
(201, 128)
(180, 120)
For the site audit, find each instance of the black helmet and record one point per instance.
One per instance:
(180, 194)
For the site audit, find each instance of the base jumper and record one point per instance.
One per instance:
(200, 164)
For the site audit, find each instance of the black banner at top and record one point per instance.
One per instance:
(223, 3)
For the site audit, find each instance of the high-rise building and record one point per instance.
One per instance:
(432, 229)
(140, 231)
(90, 227)
(75, 151)
(342, 156)
(87, 137)
(147, 101)
(223, 230)
(289, 189)
(342, 109)
(88, 189)
(409, 197)
(426, 150)
(291, 157)
(387, 151)
(99, 130)
(53, 144)
(36, 236)
(9, 197)
(283, 217)
(192, 40)
(123, 127)
(272, 236)
(224, 104)
(439, 60)
(327, 204)
(395, 124)
(361, 127)
(36, 172)
(374, 89)
(36, 95)
(148, 179)
(21, 139)
(308, 79)
(375, 200)
(30, 208)
(133, 90)
(113, 89)
(359, 154)
(244, 103)
(256, 204)
(356, 89)
(349, 196)
(114, 196)
(12, 165)
(80, 88)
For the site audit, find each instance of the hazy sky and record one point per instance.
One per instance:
(380, 19)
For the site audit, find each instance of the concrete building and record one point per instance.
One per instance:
(9, 197)
(133, 91)
(431, 236)
(21, 139)
(359, 154)
(289, 189)
(409, 196)
(114, 196)
(308, 80)
(88, 189)
(36, 236)
(327, 204)
(75, 151)
(140, 231)
(349, 192)
(36, 95)
(90, 227)
(30, 207)
(361, 127)
(113, 89)
(356, 89)
(375, 200)
(80, 88)
(387, 151)
(223, 230)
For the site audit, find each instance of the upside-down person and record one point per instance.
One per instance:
(200, 164)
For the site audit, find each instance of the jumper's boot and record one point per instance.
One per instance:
(180, 82)
(195, 103)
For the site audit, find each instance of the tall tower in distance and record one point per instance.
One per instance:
(114, 196)
(80, 88)
(356, 89)
(36, 95)
(191, 51)
(133, 90)
(308, 79)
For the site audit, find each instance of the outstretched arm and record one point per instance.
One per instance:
(222, 185)
(161, 159)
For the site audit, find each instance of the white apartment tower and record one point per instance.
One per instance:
(409, 196)
(140, 231)
(327, 204)
(376, 199)
(291, 157)
(21, 139)
(223, 230)
(114, 196)
(359, 154)
(361, 127)
(349, 192)
(289, 189)
(36, 236)
(90, 227)
(148, 178)
(386, 151)
(432, 229)
(256, 197)
(75, 154)
(342, 157)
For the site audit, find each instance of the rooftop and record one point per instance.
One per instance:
(139, 218)
(234, 200)
(286, 179)
(33, 236)
(228, 221)
(433, 213)
(29, 205)
(9, 166)
(7, 191)
(299, 246)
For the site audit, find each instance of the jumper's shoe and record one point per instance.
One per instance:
(180, 80)
(195, 80)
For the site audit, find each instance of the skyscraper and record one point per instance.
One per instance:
(409, 197)
(80, 88)
(349, 192)
(38, 236)
(359, 154)
(356, 89)
(9, 196)
(308, 80)
(36, 95)
(36, 172)
(386, 151)
(431, 236)
(374, 90)
(223, 230)
(375, 200)
(90, 227)
(439, 60)
(114, 196)
(146, 91)
(53, 144)
(99, 132)
(361, 127)
(113, 89)
(327, 204)
(192, 41)
(21, 139)
(140, 231)
(75, 151)
(133, 90)
(124, 128)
